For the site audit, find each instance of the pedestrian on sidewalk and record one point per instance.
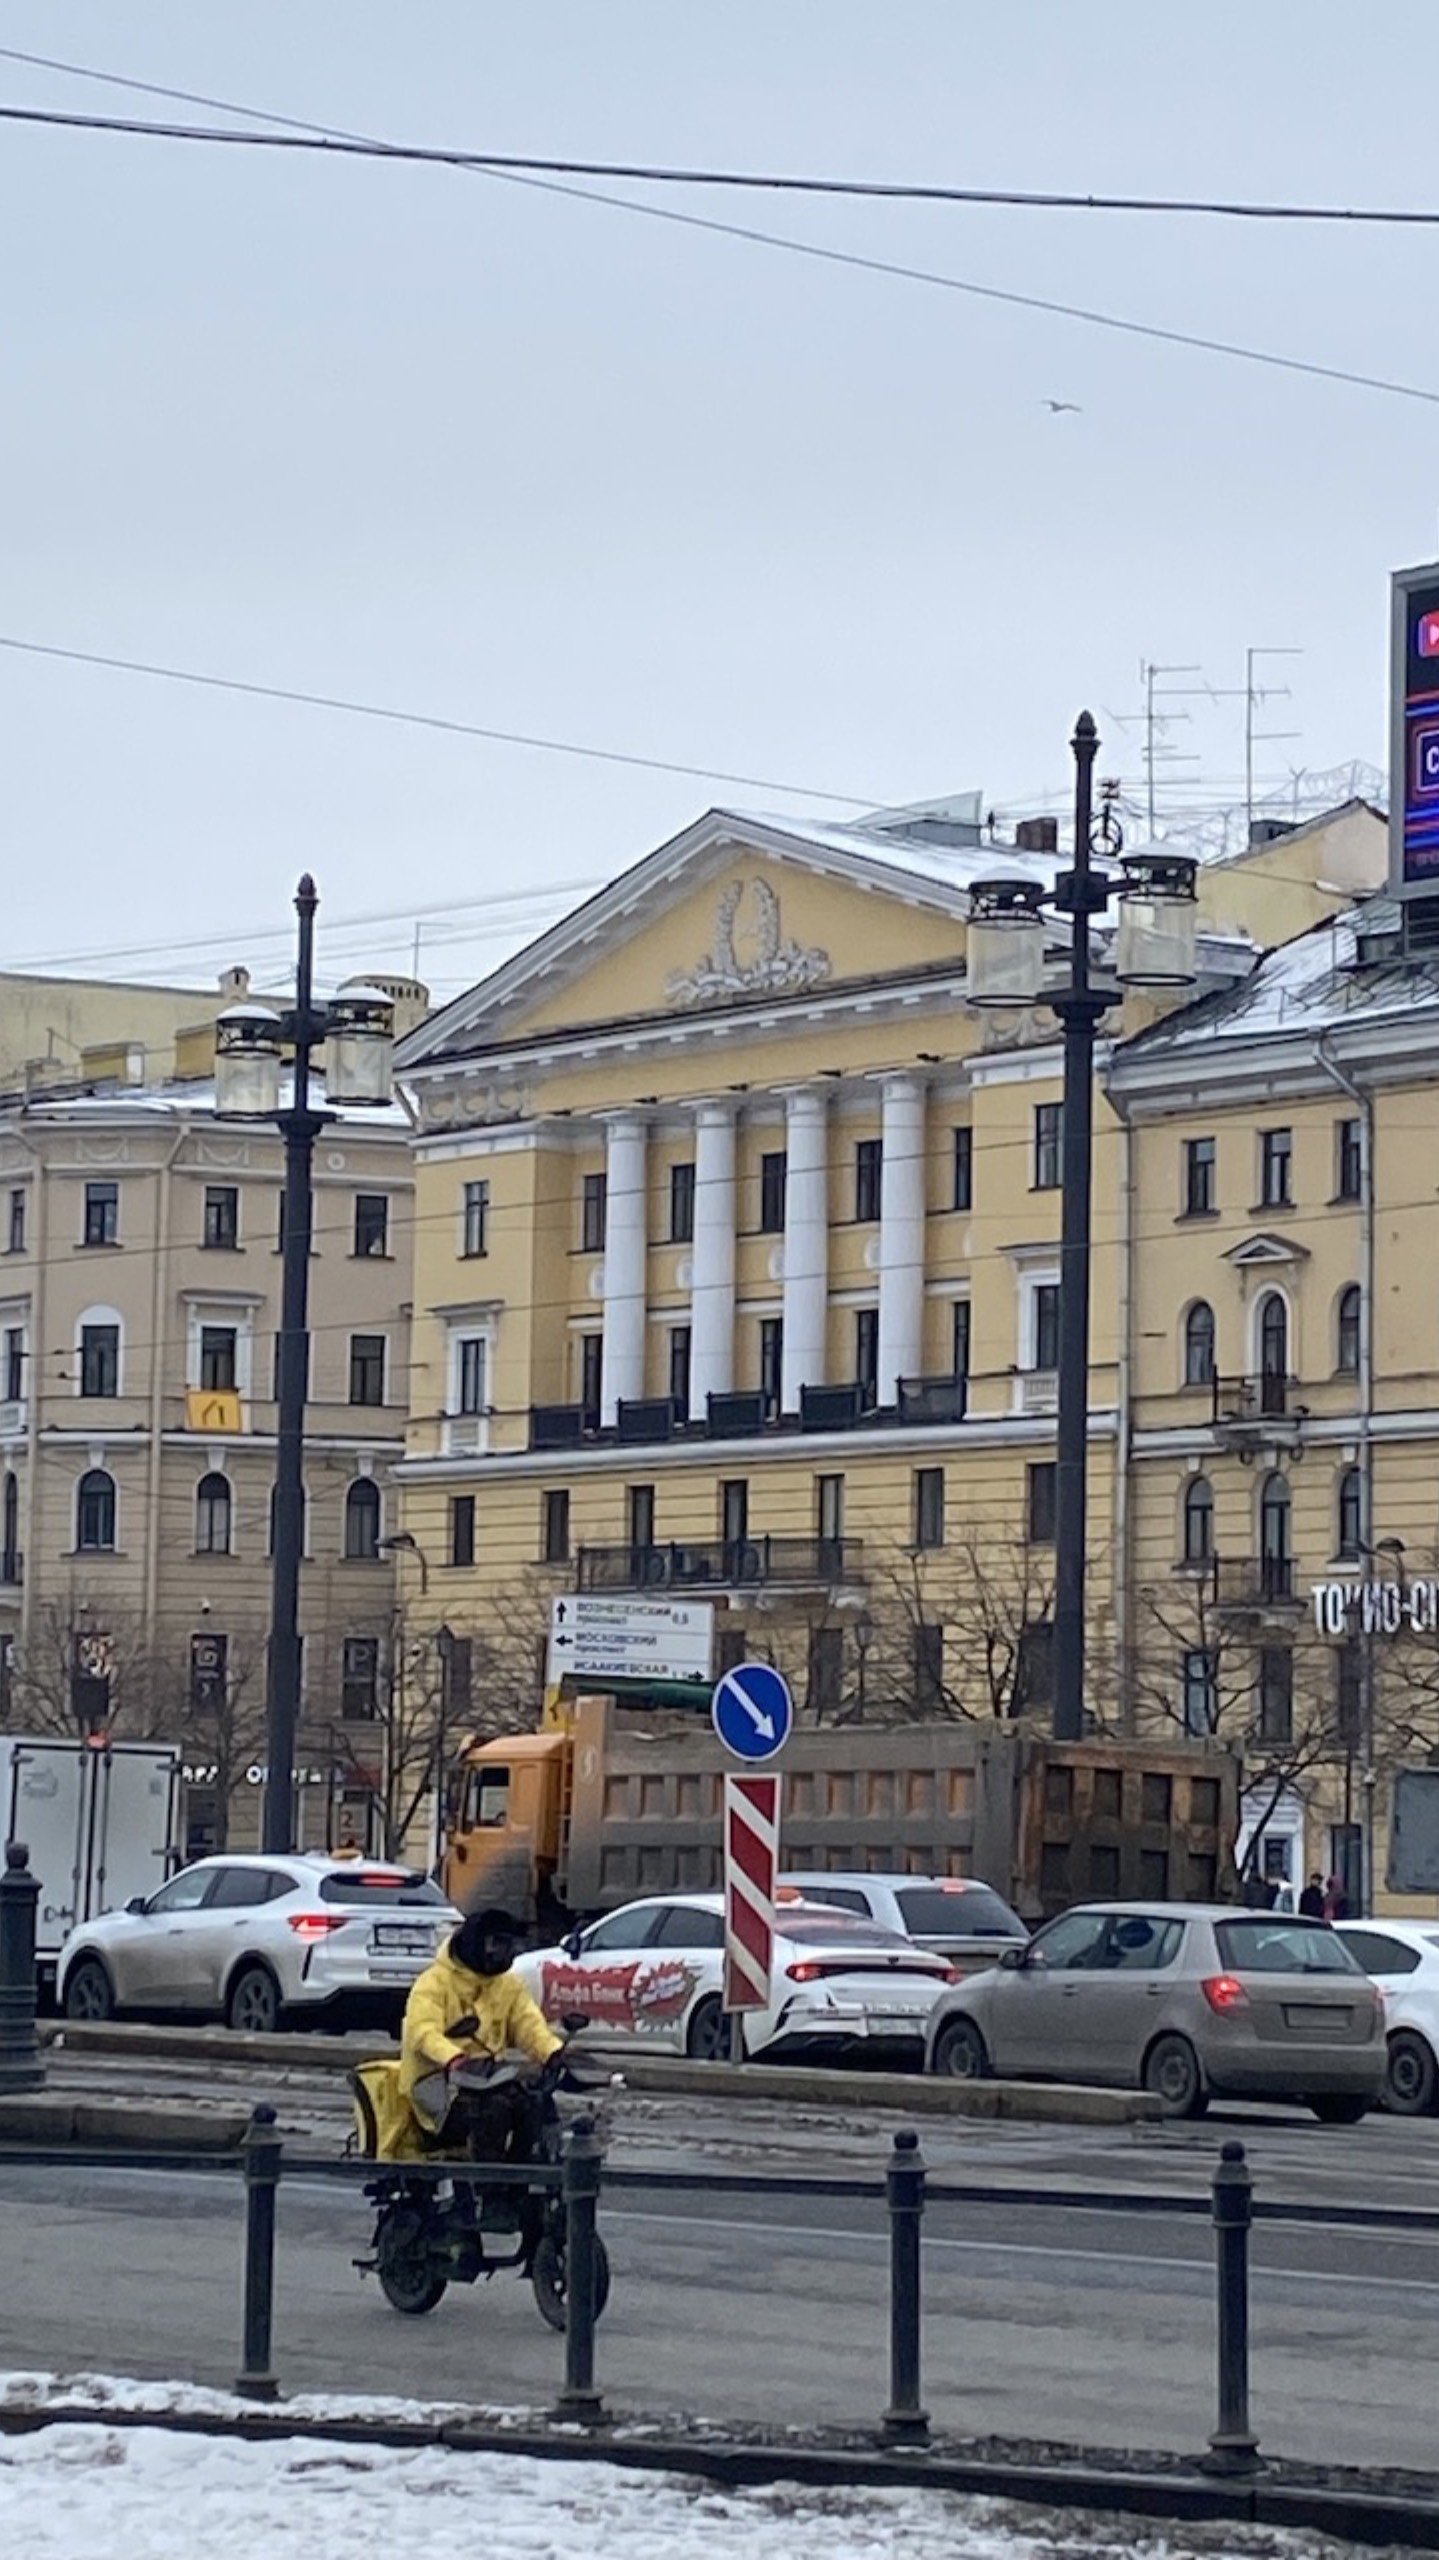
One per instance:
(1311, 1900)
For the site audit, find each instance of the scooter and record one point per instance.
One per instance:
(430, 2234)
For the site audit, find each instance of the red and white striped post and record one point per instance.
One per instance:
(751, 1867)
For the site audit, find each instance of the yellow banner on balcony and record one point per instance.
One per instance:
(214, 1409)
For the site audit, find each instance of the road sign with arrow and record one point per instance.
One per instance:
(595, 1639)
(753, 1711)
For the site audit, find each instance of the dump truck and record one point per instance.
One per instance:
(610, 1803)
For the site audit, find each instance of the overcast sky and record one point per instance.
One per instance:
(436, 441)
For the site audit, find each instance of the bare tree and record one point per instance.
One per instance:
(88, 1662)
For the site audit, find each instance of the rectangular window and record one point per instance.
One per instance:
(475, 1211)
(359, 1678)
(866, 1356)
(771, 1366)
(1349, 1692)
(960, 1339)
(17, 1221)
(1348, 1159)
(734, 1510)
(99, 1360)
(102, 1213)
(592, 1213)
(1199, 1172)
(222, 1217)
(462, 1528)
(929, 1506)
(1199, 1696)
(772, 1171)
(372, 1225)
(592, 1357)
(963, 1190)
(682, 1203)
(1046, 1146)
(14, 1363)
(555, 1525)
(471, 1374)
(367, 1369)
(218, 1357)
(928, 1667)
(1276, 1693)
(681, 1345)
(641, 1501)
(1044, 1342)
(826, 1669)
(1041, 1483)
(829, 1507)
(868, 1179)
(1276, 1164)
(1034, 1669)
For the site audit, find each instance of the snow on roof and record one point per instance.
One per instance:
(933, 859)
(194, 1099)
(1318, 981)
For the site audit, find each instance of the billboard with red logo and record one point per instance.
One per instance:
(1414, 715)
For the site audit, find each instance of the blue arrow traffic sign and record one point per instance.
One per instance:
(753, 1711)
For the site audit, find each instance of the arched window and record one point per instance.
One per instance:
(1350, 1510)
(10, 1532)
(213, 1509)
(1199, 1345)
(95, 1512)
(362, 1521)
(1198, 1521)
(1273, 1352)
(1346, 1331)
(1276, 1563)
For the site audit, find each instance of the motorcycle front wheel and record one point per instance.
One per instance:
(405, 2268)
(548, 2276)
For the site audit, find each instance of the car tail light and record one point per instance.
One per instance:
(952, 1973)
(805, 1972)
(317, 1924)
(1224, 1991)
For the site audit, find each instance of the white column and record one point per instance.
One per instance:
(901, 1235)
(806, 1245)
(622, 1371)
(712, 1287)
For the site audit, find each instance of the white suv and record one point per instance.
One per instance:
(257, 1940)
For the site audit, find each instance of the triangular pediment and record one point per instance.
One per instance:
(1265, 1253)
(734, 911)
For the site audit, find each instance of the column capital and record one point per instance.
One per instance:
(802, 1099)
(903, 1085)
(715, 1112)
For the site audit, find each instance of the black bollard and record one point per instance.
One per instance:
(583, 2154)
(1233, 2447)
(263, 2155)
(20, 2064)
(904, 2421)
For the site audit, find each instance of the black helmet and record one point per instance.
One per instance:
(487, 1941)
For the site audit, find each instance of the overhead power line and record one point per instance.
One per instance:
(432, 720)
(752, 181)
(1234, 350)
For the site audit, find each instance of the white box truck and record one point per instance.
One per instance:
(98, 1821)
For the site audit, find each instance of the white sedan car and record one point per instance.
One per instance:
(258, 1941)
(1402, 1956)
(652, 1974)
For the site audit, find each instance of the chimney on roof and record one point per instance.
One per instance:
(1037, 835)
(234, 985)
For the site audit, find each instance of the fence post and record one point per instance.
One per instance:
(904, 2421)
(263, 2155)
(20, 2063)
(1233, 2447)
(583, 2154)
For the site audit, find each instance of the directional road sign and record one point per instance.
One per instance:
(753, 1711)
(599, 1639)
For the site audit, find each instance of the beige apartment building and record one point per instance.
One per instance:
(139, 1302)
(736, 1264)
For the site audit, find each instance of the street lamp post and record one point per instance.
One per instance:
(357, 1028)
(1155, 948)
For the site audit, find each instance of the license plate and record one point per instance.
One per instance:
(394, 1938)
(1314, 2021)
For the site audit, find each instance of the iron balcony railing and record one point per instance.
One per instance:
(1266, 1398)
(721, 1563)
(933, 1399)
(1252, 1582)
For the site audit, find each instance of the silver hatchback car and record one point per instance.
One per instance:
(1185, 2000)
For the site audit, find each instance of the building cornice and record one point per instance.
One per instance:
(817, 1449)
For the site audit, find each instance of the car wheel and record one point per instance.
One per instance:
(1412, 2085)
(960, 2052)
(1331, 2110)
(253, 2007)
(1172, 2075)
(89, 1993)
(707, 2035)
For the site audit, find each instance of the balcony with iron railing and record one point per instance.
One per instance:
(750, 1413)
(1252, 1582)
(1243, 1407)
(720, 1564)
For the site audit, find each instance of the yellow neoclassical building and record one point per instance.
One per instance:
(736, 1263)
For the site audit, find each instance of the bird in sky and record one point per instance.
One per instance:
(1058, 406)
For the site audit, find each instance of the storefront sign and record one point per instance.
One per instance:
(1376, 1608)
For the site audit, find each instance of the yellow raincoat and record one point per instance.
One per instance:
(392, 2122)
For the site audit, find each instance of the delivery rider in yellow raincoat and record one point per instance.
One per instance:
(468, 2006)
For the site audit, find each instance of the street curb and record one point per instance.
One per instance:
(996, 2101)
(59, 2122)
(1354, 2513)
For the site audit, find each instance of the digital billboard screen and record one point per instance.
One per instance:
(1414, 801)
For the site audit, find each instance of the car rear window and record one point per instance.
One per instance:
(844, 1897)
(835, 1928)
(379, 1884)
(932, 1912)
(1281, 1946)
